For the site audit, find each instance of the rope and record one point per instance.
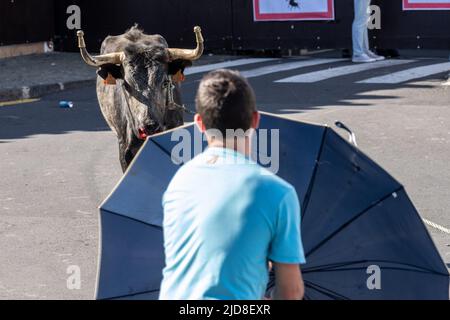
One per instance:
(170, 87)
(436, 226)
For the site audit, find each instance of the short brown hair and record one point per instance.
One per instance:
(225, 100)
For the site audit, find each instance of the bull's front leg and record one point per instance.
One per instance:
(127, 152)
(123, 155)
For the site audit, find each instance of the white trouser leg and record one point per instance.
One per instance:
(360, 33)
(366, 45)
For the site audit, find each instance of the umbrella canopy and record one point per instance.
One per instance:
(357, 221)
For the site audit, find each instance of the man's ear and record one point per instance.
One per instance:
(256, 118)
(199, 123)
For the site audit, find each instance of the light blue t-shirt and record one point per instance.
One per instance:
(224, 218)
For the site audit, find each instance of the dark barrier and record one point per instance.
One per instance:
(227, 24)
(399, 29)
(292, 34)
(412, 29)
(174, 20)
(26, 21)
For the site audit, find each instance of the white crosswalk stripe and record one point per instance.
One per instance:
(274, 68)
(227, 64)
(409, 74)
(340, 71)
(330, 69)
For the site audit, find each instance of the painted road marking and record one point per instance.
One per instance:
(227, 64)
(410, 74)
(15, 102)
(341, 71)
(274, 68)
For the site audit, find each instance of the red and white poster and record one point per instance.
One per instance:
(426, 4)
(291, 10)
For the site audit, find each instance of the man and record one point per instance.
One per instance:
(360, 34)
(225, 217)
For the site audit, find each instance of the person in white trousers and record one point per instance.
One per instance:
(360, 34)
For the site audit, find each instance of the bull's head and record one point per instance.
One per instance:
(145, 68)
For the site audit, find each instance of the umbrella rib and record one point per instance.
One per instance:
(313, 177)
(130, 295)
(130, 218)
(166, 151)
(329, 268)
(332, 265)
(133, 219)
(384, 268)
(329, 293)
(320, 244)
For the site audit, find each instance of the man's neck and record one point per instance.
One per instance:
(239, 145)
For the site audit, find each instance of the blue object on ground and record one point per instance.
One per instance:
(66, 104)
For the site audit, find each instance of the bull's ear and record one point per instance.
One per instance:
(102, 73)
(178, 65)
(112, 69)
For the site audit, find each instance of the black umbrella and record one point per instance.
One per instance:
(363, 238)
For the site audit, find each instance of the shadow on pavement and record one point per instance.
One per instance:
(46, 117)
(339, 91)
(309, 98)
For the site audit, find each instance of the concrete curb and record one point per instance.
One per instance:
(41, 90)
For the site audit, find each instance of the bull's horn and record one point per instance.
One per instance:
(187, 54)
(97, 61)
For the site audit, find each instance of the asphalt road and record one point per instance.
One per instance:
(57, 165)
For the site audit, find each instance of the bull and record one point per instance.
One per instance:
(137, 85)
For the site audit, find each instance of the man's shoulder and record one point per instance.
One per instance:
(183, 172)
(188, 171)
(273, 184)
(249, 173)
(193, 164)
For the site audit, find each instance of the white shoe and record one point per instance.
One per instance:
(364, 58)
(375, 56)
